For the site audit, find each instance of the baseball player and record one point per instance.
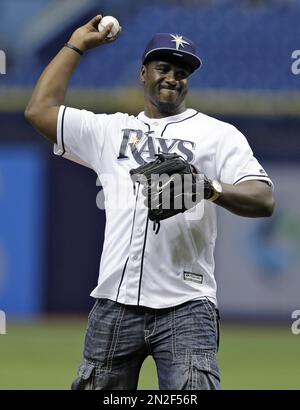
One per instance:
(156, 293)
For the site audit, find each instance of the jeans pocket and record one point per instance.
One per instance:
(206, 321)
(215, 317)
(85, 379)
(210, 307)
(205, 373)
(218, 328)
(96, 305)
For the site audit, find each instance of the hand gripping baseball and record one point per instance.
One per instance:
(88, 36)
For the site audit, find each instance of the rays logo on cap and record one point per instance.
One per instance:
(175, 45)
(179, 41)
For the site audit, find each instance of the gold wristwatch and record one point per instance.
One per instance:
(217, 190)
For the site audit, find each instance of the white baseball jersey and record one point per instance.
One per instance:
(138, 266)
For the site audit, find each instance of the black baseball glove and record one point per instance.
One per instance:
(170, 185)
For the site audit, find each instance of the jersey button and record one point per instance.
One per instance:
(139, 230)
(155, 124)
(135, 258)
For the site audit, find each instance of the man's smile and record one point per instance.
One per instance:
(165, 89)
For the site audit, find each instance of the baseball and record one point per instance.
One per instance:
(107, 20)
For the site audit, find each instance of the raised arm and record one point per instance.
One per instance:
(51, 88)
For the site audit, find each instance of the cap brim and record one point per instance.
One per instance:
(191, 60)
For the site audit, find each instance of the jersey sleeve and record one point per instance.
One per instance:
(235, 161)
(80, 136)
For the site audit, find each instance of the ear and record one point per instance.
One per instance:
(143, 73)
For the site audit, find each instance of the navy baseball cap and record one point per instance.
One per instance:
(175, 45)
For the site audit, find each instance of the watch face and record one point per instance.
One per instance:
(217, 186)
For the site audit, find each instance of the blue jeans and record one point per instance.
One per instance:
(183, 341)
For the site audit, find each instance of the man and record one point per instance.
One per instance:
(156, 293)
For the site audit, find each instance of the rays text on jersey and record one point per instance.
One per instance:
(144, 146)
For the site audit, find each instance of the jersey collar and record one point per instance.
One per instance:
(173, 118)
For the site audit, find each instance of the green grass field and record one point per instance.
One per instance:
(45, 355)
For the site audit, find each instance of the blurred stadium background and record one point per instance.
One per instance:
(51, 231)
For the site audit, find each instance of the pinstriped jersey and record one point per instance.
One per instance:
(139, 266)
